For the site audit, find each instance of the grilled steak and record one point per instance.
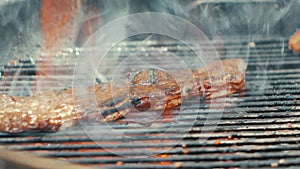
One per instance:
(49, 111)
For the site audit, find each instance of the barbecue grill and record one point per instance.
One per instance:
(259, 127)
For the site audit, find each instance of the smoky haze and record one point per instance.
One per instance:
(221, 20)
(241, 21)
(20, 24)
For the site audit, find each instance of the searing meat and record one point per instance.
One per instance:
(51, 110)
(42, 112)
(294, 41)
(210, 82)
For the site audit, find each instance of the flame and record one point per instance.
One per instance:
(56, 16)
(62, 25)
(56, 23)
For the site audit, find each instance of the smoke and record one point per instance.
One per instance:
(227, 20)
(19, 29)
(221, 20)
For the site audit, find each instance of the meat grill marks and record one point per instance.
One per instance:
(215, 82)
(51, 110)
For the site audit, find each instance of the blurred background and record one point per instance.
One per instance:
(25, 26)
(42, 34)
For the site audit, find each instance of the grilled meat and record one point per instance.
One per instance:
(50, 111)
(42, 112)
(294, 41)
(210, 82)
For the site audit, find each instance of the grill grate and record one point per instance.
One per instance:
(259, 128)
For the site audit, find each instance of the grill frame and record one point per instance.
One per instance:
(13, 159)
